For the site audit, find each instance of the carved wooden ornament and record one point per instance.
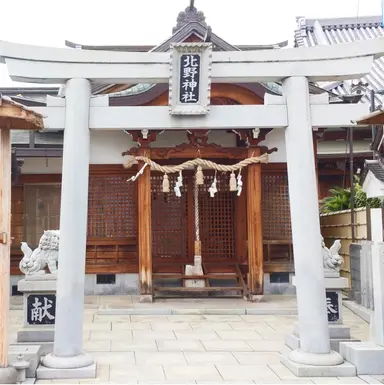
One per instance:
(190, 78)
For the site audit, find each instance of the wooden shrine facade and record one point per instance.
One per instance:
(252, 230)
(112, 245)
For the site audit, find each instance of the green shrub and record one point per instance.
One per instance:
(340, 199)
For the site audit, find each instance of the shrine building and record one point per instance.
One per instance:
(114, 258)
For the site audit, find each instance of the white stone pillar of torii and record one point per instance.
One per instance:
(68, 342)
(305, 221)
(296, 112)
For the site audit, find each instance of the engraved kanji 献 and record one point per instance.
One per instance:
(330, 307)
(40, 311)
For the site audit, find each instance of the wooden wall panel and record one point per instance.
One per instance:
(277, 238)
(17, 216)
(112, 209)
(115, 251)
(217, 219)
(169, 220)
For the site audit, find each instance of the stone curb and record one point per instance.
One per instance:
(167, 311)
(362, 312)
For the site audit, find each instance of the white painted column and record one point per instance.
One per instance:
(304, 206)
(68, 351)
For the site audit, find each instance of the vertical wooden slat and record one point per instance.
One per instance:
(217, 223)
(368, 220)
(5, 241)
(254, 226)
(191, 215)
(241, 223)
(144, 227)
(169, 225)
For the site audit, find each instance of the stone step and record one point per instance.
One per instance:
(293, 341)
(33, 335)
(366, 356)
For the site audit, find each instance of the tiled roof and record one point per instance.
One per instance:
(375, 167)
(312, 32)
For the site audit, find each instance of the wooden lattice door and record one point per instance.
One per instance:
(217, 232)
(173, 220)
(170, 221)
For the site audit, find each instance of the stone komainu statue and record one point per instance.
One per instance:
(35, 262)
(331, 258)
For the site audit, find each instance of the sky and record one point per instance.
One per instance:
(149, 22)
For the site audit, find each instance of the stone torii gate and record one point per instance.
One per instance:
(296, 112)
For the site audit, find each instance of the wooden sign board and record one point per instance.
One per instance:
(190, 78)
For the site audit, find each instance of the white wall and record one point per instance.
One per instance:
(276, 138)
(106, 147)
(372, 186)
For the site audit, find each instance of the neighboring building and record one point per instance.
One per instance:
(112, 205)
(313, 32)
(372, 177)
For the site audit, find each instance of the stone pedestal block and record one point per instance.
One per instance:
(31, 353)
(367, 357)
(301, 370)
(45, 373)
(8, 375)
(39, 302)
(338, 333)
(333, 287)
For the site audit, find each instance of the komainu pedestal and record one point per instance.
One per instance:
(333, 286)
(39, 297)
(39, 291)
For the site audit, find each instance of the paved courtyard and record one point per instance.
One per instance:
(190, 348)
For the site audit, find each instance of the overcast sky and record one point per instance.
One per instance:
(125, 22)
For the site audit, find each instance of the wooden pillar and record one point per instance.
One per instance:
(5, 241)
(144, 229)
(241, 223)
(254, 226)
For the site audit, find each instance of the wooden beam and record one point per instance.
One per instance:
(15, 116)
(144, 228)
(187, 151)
(5, 241)
(254, 226)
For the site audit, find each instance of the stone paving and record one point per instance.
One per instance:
(191, 348)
